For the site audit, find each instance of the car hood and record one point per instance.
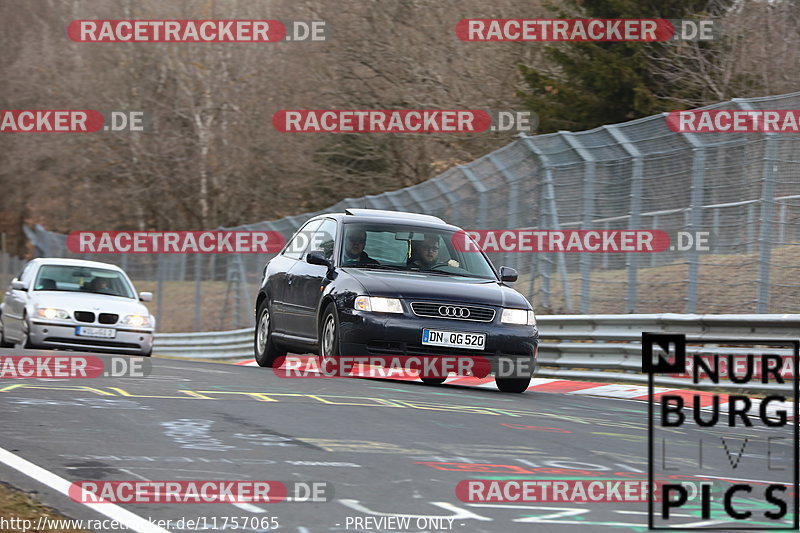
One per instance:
(77, 301)
(419, 286)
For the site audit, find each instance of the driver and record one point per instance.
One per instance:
(100, 285)
(424, 254)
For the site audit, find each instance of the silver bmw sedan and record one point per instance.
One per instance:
(76, 304)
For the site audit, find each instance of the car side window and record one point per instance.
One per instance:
(26, 274)
(322, 240)
(301, 239)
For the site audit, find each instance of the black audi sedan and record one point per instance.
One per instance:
(383, 283)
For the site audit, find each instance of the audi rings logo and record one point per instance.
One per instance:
(453, 312)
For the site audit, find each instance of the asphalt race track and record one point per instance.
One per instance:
(388, 448)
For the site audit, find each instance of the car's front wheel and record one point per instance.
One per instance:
(265, 348)
(433, 380)
(25, 341)
(513, 384)
(523, 369)
(329, 354)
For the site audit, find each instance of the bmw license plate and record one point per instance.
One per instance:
(105, 333)
(454, 339)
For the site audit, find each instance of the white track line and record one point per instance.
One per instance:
(115, 512)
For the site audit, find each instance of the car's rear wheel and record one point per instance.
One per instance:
(265, 348)
(433, 380)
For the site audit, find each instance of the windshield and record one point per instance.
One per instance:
(82, 279)
(409, 248)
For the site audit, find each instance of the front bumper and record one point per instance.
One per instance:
(62, 335)
(363, 333)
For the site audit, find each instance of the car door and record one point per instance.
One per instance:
(308, 281)
(14, 304)
(280, 278)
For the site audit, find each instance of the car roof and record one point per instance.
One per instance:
(74, 262)
(392, 217)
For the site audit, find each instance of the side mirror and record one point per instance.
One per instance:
(146, 296)
(18, 285)
(318, 258)
(508, 274)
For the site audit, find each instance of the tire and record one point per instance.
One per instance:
(25, 342)
(265, 348)
(432, 380)
(329, 341)
(515, 385)
(520, 379)
(3, 342)
(148, 353)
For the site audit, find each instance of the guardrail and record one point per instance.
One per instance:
(606, 347)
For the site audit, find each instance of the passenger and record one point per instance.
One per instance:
(354, 253)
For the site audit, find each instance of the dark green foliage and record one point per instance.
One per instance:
(607, 82)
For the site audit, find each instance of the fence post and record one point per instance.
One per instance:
(550, 202)
(197, 294)
(588, 215)
(765, 235)
(413, 192)
(695, 216)
(751, 226)
(767, 201)
(445, 189)
(245, 291)
(631, 259)
(481, 189)
(159, 289)
(654, 227)
(513, 204)
(4, 270)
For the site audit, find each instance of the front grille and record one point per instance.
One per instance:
(84, 316)
(108, 318)
(453, 311)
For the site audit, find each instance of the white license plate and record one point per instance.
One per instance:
(454, 339)
(105, 333)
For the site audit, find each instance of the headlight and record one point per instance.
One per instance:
(518, 316)
(378, 305)
(50, 313)
(137, 321)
